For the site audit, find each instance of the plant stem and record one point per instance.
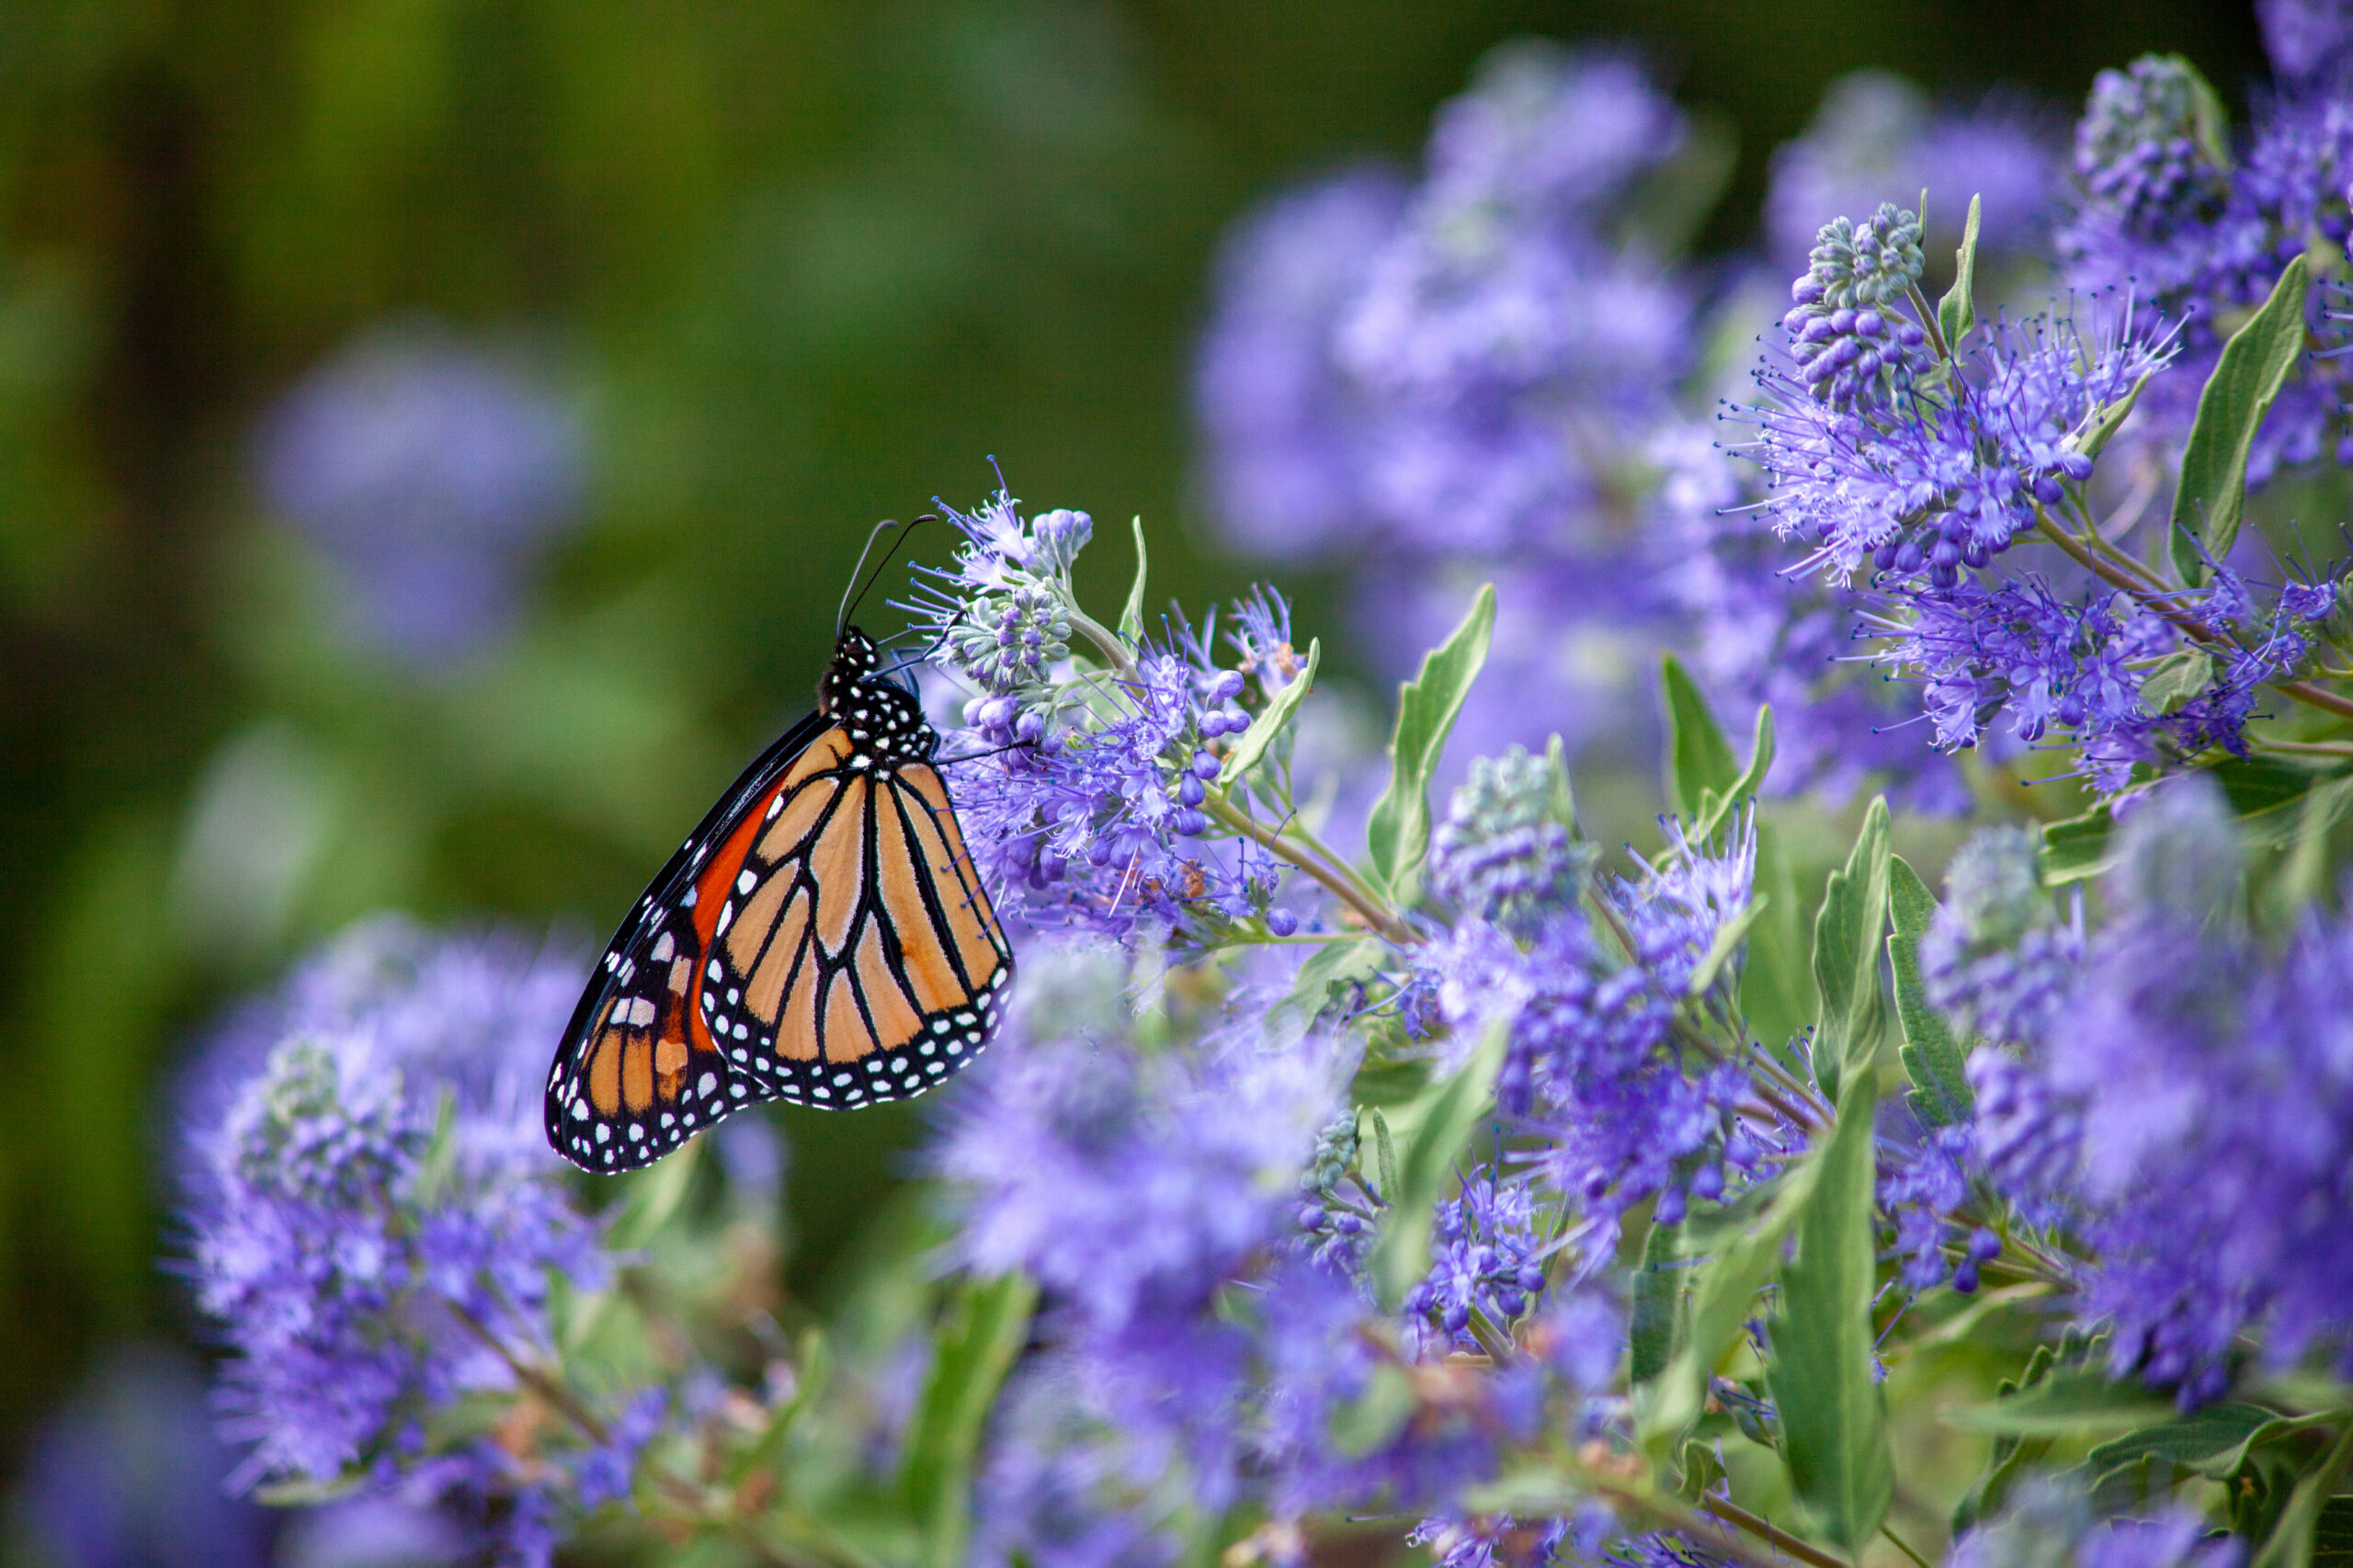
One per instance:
(1903, 1545)
(1379, 918)
(2182, 621)
(1781, 1540)
(2307, 748)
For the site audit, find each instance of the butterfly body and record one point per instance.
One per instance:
(821, 939)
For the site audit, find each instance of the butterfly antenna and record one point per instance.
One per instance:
(856, 594)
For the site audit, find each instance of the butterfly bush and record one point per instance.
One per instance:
(1382, 1156)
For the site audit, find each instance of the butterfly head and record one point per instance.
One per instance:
(855, 657)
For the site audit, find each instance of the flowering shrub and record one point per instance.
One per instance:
(1429, 1172)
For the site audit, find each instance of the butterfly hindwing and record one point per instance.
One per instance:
(633, 1081)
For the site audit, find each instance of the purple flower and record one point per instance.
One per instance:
(2165, 205)
(129, 1473)
(1134, 1187)
(1876, 138)
(2050, 1520)
(1490, 1541)
(1059, 1490)
(1507, 852)
(1923, 1179)
(377, 1222)
(1323, 1351)
(2029, 1137)
(427, 471)
(1593, 1063)
(2309, 40)
(1923, 481)
(2216, 1097)
(1487, 1251)
(1289, 434)
(1996, 958)
(1084, 792)
(1759, 631)
(1506, 338)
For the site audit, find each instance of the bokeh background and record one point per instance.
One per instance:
(434, 434)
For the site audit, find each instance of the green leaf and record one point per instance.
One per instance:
(1369, 1421)
(2174, 681)
(2193, 1441)
(1330, 970)
(2102, 423)
(1698, 757)
(1700, 1472)
(1718, 808)
(1132, 618)
(2209, 121)
(2333, 1534)
(2254, 365)
(973, 1347)
(1932, 1058)
(2268, 794)
(1270, 719)
(2290, 1543)
(1658, 1285)
(1777, 982)
(1437, 1127)
(2008, 1459)
(1726, 942)
(1833, 1416)
(1847, 955)
(1723, 1293)
(2076, 848)
(1385, 1152)
(1956, 313)
(1562, 803)
(1397, 834)
(2072, 1402)
(653, 1196)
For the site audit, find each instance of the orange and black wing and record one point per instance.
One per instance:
(855, 957)
(636, 1073)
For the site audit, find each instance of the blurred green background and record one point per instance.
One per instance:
(787, 267)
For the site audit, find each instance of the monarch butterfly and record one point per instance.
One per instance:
(821, 939)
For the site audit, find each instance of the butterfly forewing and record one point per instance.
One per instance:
(859, 957)
(821, 939)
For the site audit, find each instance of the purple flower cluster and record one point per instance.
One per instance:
(2018, 647)
(1084, 789)
(2309, 42)
(2186, 1106)
(1876, 138)
(1996, 958)
(1766, 634)
(1135, 1188)
(2049, 1521)
(1467, 369)
(376, 1224)
(1506, 853)
(1626, 1106)
(1923, 480)
(2167, 205)
(1487, 1251)
(427, 471)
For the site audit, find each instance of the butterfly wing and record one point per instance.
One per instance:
(635, 1075)
(860, 960)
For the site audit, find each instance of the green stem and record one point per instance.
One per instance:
(2187, 624)
(1103, 637)
(1375, 915)
(2307, 748)
(1903, 1545)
